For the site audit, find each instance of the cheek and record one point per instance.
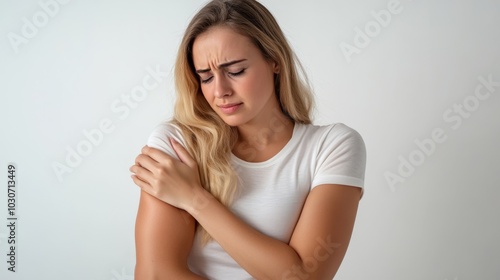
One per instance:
(262, 85)
(206, 93)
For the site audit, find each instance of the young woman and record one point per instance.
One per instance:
(240, 184)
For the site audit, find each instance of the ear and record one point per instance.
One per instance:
(276, 68)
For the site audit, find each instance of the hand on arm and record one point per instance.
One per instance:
(318, 243)
(165, 177)
(164, 236)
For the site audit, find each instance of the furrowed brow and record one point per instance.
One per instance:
(223, 65)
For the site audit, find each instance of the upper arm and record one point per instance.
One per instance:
(324, 229)
(163, 236)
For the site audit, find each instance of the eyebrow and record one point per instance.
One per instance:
(223, 65)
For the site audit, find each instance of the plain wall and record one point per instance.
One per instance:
(415, 87)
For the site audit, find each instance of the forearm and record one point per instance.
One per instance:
(316, 247)
(151, 274)
(260, 255)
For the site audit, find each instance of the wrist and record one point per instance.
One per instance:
(200, 199)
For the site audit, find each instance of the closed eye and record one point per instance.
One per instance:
(207, 80)
(232, 74)
(235, 74)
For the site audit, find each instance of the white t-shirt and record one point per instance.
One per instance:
(271, 193)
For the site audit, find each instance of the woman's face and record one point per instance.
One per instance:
(235, 79)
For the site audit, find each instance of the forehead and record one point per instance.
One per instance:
(221, 44)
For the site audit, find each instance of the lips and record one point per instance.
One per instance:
(229, 108)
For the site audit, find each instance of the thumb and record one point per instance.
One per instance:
(182, 153)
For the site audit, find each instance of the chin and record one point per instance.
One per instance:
(233, 120)
(232, 123)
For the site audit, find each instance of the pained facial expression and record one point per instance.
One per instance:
(235, 79)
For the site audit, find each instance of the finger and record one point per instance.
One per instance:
(143, 185)
(182, 153)
(141, 173)
(157, 155)
(147, 162)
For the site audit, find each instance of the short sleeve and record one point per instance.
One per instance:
(159, 138)
(341, 158)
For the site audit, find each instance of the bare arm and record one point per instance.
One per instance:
(317, 246)
(318, 243)
(164, 237)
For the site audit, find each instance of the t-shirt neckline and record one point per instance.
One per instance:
(288, 146)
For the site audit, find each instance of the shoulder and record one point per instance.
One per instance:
(339, 155)
(334, 134)
(343, 133)
(161, 134)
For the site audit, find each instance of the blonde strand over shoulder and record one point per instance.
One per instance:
(208, 139)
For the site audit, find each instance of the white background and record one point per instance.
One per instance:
(439, 222)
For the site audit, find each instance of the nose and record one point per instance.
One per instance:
(222, 87)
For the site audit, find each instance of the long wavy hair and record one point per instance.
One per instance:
(207, 137)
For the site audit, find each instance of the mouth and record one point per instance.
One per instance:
(229, 108)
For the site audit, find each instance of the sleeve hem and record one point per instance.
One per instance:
(339, 180)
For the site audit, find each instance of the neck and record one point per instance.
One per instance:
(271, 135)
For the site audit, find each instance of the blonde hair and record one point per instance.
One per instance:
(208, 138)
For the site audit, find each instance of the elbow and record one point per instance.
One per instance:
(148, 272)
(312, 269)
(299, 274)
(142, 272)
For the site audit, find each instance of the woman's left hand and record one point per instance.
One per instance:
(165, 177)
